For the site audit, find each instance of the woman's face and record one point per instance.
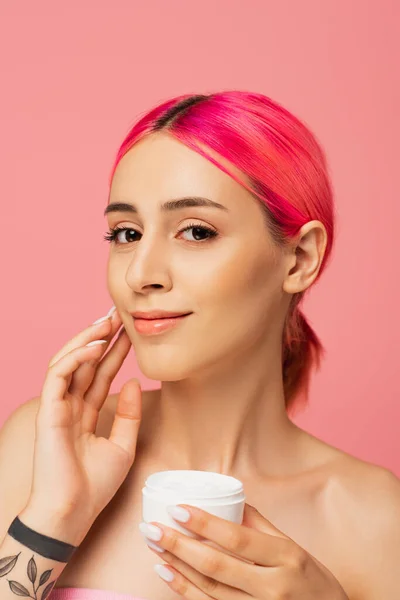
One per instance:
(231, 283)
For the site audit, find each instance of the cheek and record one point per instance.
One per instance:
(240, 298)
(113, 281)
(243, 281)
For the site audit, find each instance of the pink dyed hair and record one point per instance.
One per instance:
(283, 166)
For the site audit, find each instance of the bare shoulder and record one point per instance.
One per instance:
(361, 491)
(356, 508)
(17, 440)
(350, 477)
(367, 487)
(364, 504)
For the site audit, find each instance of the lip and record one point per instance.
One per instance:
(157, 326)
(157, 314)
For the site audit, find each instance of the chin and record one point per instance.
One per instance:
(164, 368)
(177, 360)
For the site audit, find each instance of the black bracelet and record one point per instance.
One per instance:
(42, 544)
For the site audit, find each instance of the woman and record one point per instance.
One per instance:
(221, 211)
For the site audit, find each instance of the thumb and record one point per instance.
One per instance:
(255, 520)
(127, 417)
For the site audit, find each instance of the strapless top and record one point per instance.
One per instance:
(74, 593)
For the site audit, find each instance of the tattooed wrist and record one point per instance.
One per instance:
(25, 580)
(8, 563)
(42, 544)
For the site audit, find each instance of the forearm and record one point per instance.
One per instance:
(31, 566)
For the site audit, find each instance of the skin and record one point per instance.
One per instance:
(221, 404)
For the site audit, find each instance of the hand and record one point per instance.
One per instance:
(262, 563)
(75, 473)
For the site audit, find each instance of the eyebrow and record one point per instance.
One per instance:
(176, 204)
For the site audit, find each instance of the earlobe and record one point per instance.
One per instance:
(293, 284)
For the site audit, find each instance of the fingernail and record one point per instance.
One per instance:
(95, 342)
(154, 546)
(151, 531)
(101, 320)
(178, 513)
(111, 311)
(164, 573)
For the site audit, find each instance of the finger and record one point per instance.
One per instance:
(83, 371)
(188, 582)
(85, 375)
(107, 370)
(93, 332)
(128, 414)
(179, 584)
(56, 382)
(93, 380)
(253, 545)
(210, 562)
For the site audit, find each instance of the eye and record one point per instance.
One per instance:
(113, 232)
(198, 230)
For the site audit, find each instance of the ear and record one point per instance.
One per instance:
(305, 257)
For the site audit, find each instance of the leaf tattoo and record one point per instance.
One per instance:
(32, 570)
(19, 589)
(44, 577)
(47, 590)
(8, 563)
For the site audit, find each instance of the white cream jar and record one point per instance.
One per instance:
(220, 495)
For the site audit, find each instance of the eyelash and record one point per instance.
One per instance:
(114, 231)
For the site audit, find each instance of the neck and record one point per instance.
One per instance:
(232, 421)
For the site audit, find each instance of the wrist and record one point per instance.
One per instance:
(55, 524)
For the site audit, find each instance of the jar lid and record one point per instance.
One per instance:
(193, 483)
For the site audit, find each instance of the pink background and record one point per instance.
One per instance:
(74, 78)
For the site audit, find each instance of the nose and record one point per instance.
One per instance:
(149, 266)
